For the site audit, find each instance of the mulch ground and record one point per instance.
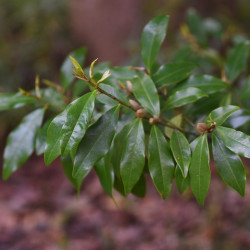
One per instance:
(39, 210)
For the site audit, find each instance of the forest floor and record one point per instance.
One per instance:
(39, 210)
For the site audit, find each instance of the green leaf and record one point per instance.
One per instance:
(105, 173)
(176, 120)
(245, 93)
(52, 148)
(221, 114)
(96, 142)
(199, 170)
(195, 24)
(112, 91)
(160, 162)
(66, 68)
(181, 151)
(181, 182)
(237, 60)
(140, 187)
(41, 138)
(67, 165)
(208, 84)
(153, 35)
(236, 141)
(21, 142)
(229, 166)
(146, 93)
(13, 101)
(184, 96)
(171, 73)
(133, 156)
(76, 122)
(118, 147)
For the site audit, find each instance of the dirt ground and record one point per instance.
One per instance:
(39, 210)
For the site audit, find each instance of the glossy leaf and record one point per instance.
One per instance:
(221, 114)
(52, 148)
(176, 120)
(199, 170)
(118, 147)
(133, 156)
(152, 37)
(140, 187)
(66, 69)
(21, 142)
(96, 142)
(181, 182)
(239, 118)
(160, 162)
(112, 91)
(184, 96)
(105, 173)
(207, 83)
(237, 60)
(236, 141)
(146, 93)
(67, 165)
(171, 73)
(13, 101)
(76, 122)
(181, 151)
(41, 138)
(229, 166)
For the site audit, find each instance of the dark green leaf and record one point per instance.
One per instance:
(237, 60)
(96, 142)
(171, 73)
(67, 165)
(229, 166)
(66, 69)
(221, 114)
(41, 138)
(53, 97)
(184, 96)
(52, 148)
(76, 122)
(160, 162)
(112, 91)
(140, 187)
(176, 120)
(118, 147)
(245, 93)
(239, 118)
(181, 182)
(146, 93)
(153, 35)
(21, 142)
(196, 27)
(181, 151)
(199, 170)
(208, 84)
(236, 141)
(133, 156)
(105, 173)
(13, 101)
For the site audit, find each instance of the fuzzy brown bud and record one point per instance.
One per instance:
(129, 86)
(140, 113)
(151, 121)
(134, 104)
(202, 127)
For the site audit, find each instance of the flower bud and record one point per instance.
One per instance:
(134, 104)
(140, 113)
(202, 127)
(129, 86)
(151, 121)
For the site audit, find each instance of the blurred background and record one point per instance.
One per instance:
(38, 206)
